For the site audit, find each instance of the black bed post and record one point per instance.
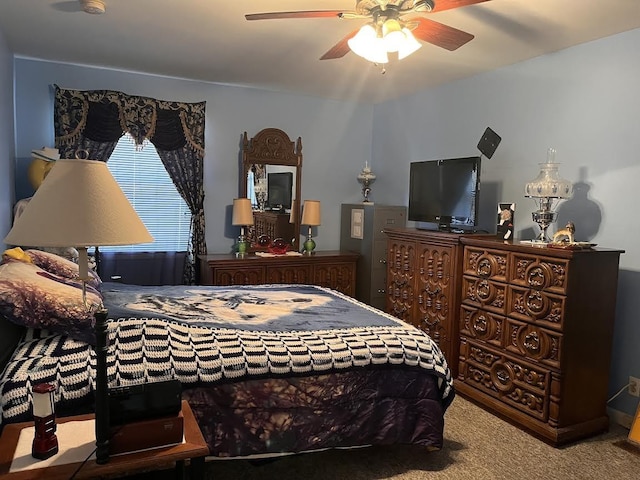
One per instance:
(102, 388)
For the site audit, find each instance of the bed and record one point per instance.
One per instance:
(267, 370)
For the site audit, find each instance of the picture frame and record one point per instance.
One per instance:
(357, 223)
(505, 221)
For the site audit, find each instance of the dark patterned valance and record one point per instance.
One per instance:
(94, 120)
(105, 115)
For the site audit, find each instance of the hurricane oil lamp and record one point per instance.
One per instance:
(45, 442)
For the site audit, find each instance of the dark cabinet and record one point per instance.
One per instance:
(362, 231)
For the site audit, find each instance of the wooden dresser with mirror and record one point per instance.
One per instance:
(271, 176)
(271, 151)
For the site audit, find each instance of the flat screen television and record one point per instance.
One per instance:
(445, 192)
(279, 190)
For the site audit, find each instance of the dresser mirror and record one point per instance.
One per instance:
(271, 177)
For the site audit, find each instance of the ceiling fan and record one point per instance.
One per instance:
(387, 16)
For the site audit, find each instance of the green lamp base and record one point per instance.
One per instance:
(309, 246)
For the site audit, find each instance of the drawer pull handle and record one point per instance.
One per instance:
(483, 290)
(433, 293)
(532, 342)
(535, 302)
(480, 325)
(484, 267)
(383, 261)
(536, 277)
(503, 376)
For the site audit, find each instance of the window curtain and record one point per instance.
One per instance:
(94, 120)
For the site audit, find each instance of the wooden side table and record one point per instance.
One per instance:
(194, 448)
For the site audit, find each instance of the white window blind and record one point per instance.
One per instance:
(146, 183)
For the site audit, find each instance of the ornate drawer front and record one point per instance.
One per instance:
(484, 293)
(514, 382)
(338, 276)
(293, 274)
(433, 262)
(238, 276)
(400, 257)
(542, 308)
(486, 263)
(539, 273)
(482, 325)
(534, 343)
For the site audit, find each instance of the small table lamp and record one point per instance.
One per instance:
(545, 189)
(311, 218)
(242, 217)
(80, 204)
(366, 177)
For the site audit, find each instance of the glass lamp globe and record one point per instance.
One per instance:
(545, 189)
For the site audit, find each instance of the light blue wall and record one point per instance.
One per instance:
(336, 136)
(7, 151)
(584, 102)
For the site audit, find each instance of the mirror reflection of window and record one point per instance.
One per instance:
(251, 191)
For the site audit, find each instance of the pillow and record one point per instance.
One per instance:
(61, 266)
(35, 298)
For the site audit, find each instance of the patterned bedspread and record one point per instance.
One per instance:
(206, 336)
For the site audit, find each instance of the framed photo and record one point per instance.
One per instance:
(357, 220)
(506, 219)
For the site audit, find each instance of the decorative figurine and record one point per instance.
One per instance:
(366, 177)
(565, 235)
(45, 442)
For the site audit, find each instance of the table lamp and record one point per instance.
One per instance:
(80, 204)
(311, 218)
(366, 177)
(546, 188)
(242, 217)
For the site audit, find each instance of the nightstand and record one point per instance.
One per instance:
(194, 448)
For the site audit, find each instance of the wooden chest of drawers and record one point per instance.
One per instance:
(423, 283)
(535, 330)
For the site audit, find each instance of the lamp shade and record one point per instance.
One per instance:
(311, 213)
(79, 204)
(409, 46)
(242, 213)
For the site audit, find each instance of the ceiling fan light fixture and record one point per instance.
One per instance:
(368, 45)
(377, 52)
(361, 42)
(409, 46)
(392, 35)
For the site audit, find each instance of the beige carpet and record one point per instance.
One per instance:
(477, 445)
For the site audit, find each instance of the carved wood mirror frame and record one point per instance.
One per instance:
(272, 146)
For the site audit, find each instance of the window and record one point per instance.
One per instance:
(146, 183)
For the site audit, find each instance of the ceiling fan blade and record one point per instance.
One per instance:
(440, 35)
(441, 5)
(300, 14)
(340, 49)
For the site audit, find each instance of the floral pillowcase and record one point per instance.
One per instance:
(61, 266)
(37, 298)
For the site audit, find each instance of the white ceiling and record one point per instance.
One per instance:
(210, 40)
